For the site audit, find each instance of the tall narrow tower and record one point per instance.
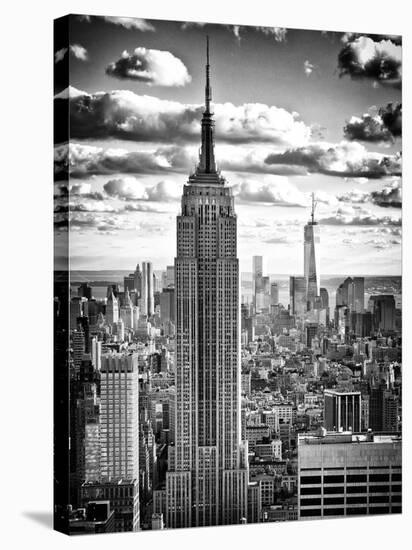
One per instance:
(311, 257)
(207, 479)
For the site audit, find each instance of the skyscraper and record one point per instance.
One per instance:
(112, 309)
(359, 294)
(342, 410)
(311, 258)
(119, 440)
(257, 282)
(147, 300)
(344, 474)
(207, 478)
(297, 294)
(274, 294)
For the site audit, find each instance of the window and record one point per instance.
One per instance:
(333, 500)
(333, 512)
(355, 478)
(356, 500)
(309, 513)
(310, 502)
(310, 490)
(333, 479)
(378, 477)
(333, 490)
(310, 480)
(356, 511)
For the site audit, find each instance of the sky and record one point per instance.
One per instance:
(296, 112)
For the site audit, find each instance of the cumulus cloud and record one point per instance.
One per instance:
(78, 51)
(389, 196)
(273, 190)
(153, 67)
(278, 33)
(359, 217)
(81, 221)
(59, 55)
(130, 23)
(131, 189)
(384, 126)
(346, 159)
(356, 197)
(125, 189)
(164, 191)
(377, 59)
(81, 161)
(126, 115)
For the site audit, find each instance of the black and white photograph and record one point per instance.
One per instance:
(227, 274)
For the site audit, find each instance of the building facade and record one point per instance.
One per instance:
(207, 478)
(345, 474)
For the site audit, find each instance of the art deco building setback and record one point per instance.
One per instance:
(207, 479)
(349, 474)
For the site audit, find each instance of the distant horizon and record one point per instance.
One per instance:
(351, 274)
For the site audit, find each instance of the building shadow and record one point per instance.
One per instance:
(42, 518)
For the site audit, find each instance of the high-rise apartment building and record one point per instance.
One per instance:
(358, 294)
(257, 280)
(119, 416)
(112, 309)
(383, 309)
(274, 294)
(147, 298)
(119, 440)
(297, 294)
(345, 474)
(207, 478)
(342, 410)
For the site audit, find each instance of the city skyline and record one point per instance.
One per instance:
(125, 184)
(188, 397)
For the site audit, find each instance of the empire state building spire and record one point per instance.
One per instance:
(207, 163)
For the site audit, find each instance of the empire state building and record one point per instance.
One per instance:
(207, 478)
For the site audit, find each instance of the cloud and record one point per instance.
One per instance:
(125, 189)
(126, 115)
(357, 197)
(139, 207)
(389, 196)
(379, 60)
(278, 33)
(130, 189)
(153, 67)
(164, 191)
(359, 217)
(346, 159)
(351, 36)
(81, 161)
(130, 23)
(78, 51)
(81, 221)
(383, 126)
(308, 67)
(59, 55)
(273, 190)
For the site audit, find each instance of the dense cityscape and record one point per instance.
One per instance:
(196, 400)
